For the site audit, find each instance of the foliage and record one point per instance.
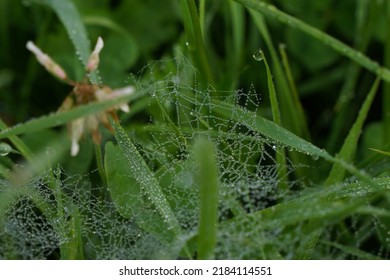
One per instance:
(235, 147)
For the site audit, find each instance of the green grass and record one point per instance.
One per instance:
(235, 147)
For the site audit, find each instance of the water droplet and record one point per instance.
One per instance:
(5, 149)
(258, 55)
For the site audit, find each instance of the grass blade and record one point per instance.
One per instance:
(350, 144)
(282, 136)
(381, 152)
(280, 152)
(57, 119)
(292, 113)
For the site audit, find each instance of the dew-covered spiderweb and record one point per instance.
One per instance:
(64, 209)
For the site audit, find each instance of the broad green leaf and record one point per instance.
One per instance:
(127, 194)
(125, 191)
(146, 180)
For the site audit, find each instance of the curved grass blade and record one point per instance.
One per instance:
(272, 12)
(280, 152)
(57, 119)
(290, 106)
(281, 135)
(381, 152)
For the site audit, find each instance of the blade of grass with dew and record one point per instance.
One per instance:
(146, 179)
(272, 12)
(60, 118)
(281, 135)
(71, 19)
(208, 181)
(126, 193)
(350, 144)
(280, 152)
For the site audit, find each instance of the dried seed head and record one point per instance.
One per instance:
(94, 59)
(84, 93)
(47, 61)
(106, 93)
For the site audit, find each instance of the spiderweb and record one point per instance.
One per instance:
(40, 225)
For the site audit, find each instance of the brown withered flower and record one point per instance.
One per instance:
(84, 93)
